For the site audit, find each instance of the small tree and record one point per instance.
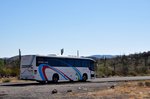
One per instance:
(1, 67)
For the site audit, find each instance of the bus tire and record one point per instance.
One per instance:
(84, 77)
(55, 78)
(42, 82)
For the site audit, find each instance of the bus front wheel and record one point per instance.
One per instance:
(84, 77)
(42, 82)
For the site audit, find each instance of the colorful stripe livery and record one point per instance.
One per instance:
(75, 69)
(42, 68)
(42, 73)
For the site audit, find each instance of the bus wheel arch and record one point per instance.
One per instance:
(84, 77)
(55, 78)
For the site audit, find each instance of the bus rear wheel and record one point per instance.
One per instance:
(55, 78)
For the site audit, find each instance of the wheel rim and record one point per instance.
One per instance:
(84, 78)
(55, 79)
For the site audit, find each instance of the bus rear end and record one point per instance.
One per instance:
(27, 67)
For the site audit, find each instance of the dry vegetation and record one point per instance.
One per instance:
(10, 79)
(129, 90)
(137, 64)
(5, 80)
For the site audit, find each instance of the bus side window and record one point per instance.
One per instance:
(56, 62)
(52, 62)
(78, 63)
(70, 62)
(84, 63)
(39, 61)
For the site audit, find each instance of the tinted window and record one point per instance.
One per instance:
(92, 65)
(70, 62)
(41, 60)
(78, 63)
(85, 63)
(50, 61)
(65, 61)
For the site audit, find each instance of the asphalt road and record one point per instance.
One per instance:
(120, 79)
(96, 80)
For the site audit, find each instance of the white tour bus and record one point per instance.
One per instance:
(53, 68)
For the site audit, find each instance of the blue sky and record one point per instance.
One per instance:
(90, 26)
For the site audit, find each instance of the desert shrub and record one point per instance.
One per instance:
(6, 80)
(147, 84)
(141, 84)
(133, 73)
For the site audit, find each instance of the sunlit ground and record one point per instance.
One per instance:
(128, 90)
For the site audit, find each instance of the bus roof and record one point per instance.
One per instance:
(62, 57)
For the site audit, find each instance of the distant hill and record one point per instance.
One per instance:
(11, 59)
(14, 58)
(102, 56)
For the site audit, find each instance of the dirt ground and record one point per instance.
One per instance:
(128, 90)
(11, 79)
